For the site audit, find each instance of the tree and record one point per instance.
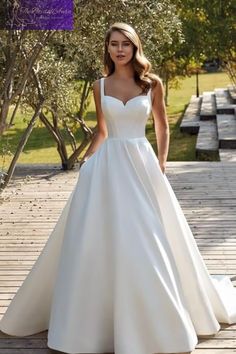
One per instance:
(18, 55)
(209, 31)
(29, 65)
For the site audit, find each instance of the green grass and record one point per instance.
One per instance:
(207, 82)
(41, 148)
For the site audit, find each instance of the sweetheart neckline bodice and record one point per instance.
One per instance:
(125, 104)
(103, 96)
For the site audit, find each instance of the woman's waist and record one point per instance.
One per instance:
(127, 138)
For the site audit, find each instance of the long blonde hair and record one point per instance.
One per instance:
(142, 67)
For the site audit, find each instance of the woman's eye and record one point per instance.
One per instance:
(126, 44)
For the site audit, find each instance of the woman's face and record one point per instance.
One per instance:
(120, 48)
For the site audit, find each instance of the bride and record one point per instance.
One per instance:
(121, 271)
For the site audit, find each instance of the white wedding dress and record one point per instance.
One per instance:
(121, 271)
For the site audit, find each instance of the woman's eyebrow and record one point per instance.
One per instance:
(113, 40)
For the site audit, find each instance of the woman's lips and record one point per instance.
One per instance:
(120, 56)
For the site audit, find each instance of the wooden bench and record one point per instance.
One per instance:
(208, 106)
(191, 117)
(207, 144)
(226, 126)
(227, 155)
(223, 102)
(232, 93)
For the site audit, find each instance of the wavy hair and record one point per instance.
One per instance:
(142, 67)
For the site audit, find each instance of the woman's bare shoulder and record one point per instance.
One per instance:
(157, 88)
(156, 81)
(96, 84)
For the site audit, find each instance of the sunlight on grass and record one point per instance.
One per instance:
(207, 82)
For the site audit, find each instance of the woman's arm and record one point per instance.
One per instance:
(101, 132)
(161, 123)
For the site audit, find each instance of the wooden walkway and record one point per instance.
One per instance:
(32, 205)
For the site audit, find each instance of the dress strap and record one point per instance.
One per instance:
(149, 95)
(102, 87)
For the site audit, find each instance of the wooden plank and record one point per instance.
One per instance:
(212, 351)
(208, 106)
(207, 140)
(190, 120)
(27, 351)
(223, 101)
(227, 155)
(216, 343)
(232, 93)
(11, 342)
(226, 126)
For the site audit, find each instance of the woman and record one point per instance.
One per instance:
(121, 271)
(119, 60)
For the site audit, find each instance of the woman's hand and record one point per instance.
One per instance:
(83, 161)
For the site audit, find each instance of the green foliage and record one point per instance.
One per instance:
(208, 31)
(208, 27)
(57, 82)
(156, 22)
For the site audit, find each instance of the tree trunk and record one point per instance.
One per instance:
(197, 84)
(77, 152)
(9, 95)
(21, 146)
(61, 148)
(3, 115)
